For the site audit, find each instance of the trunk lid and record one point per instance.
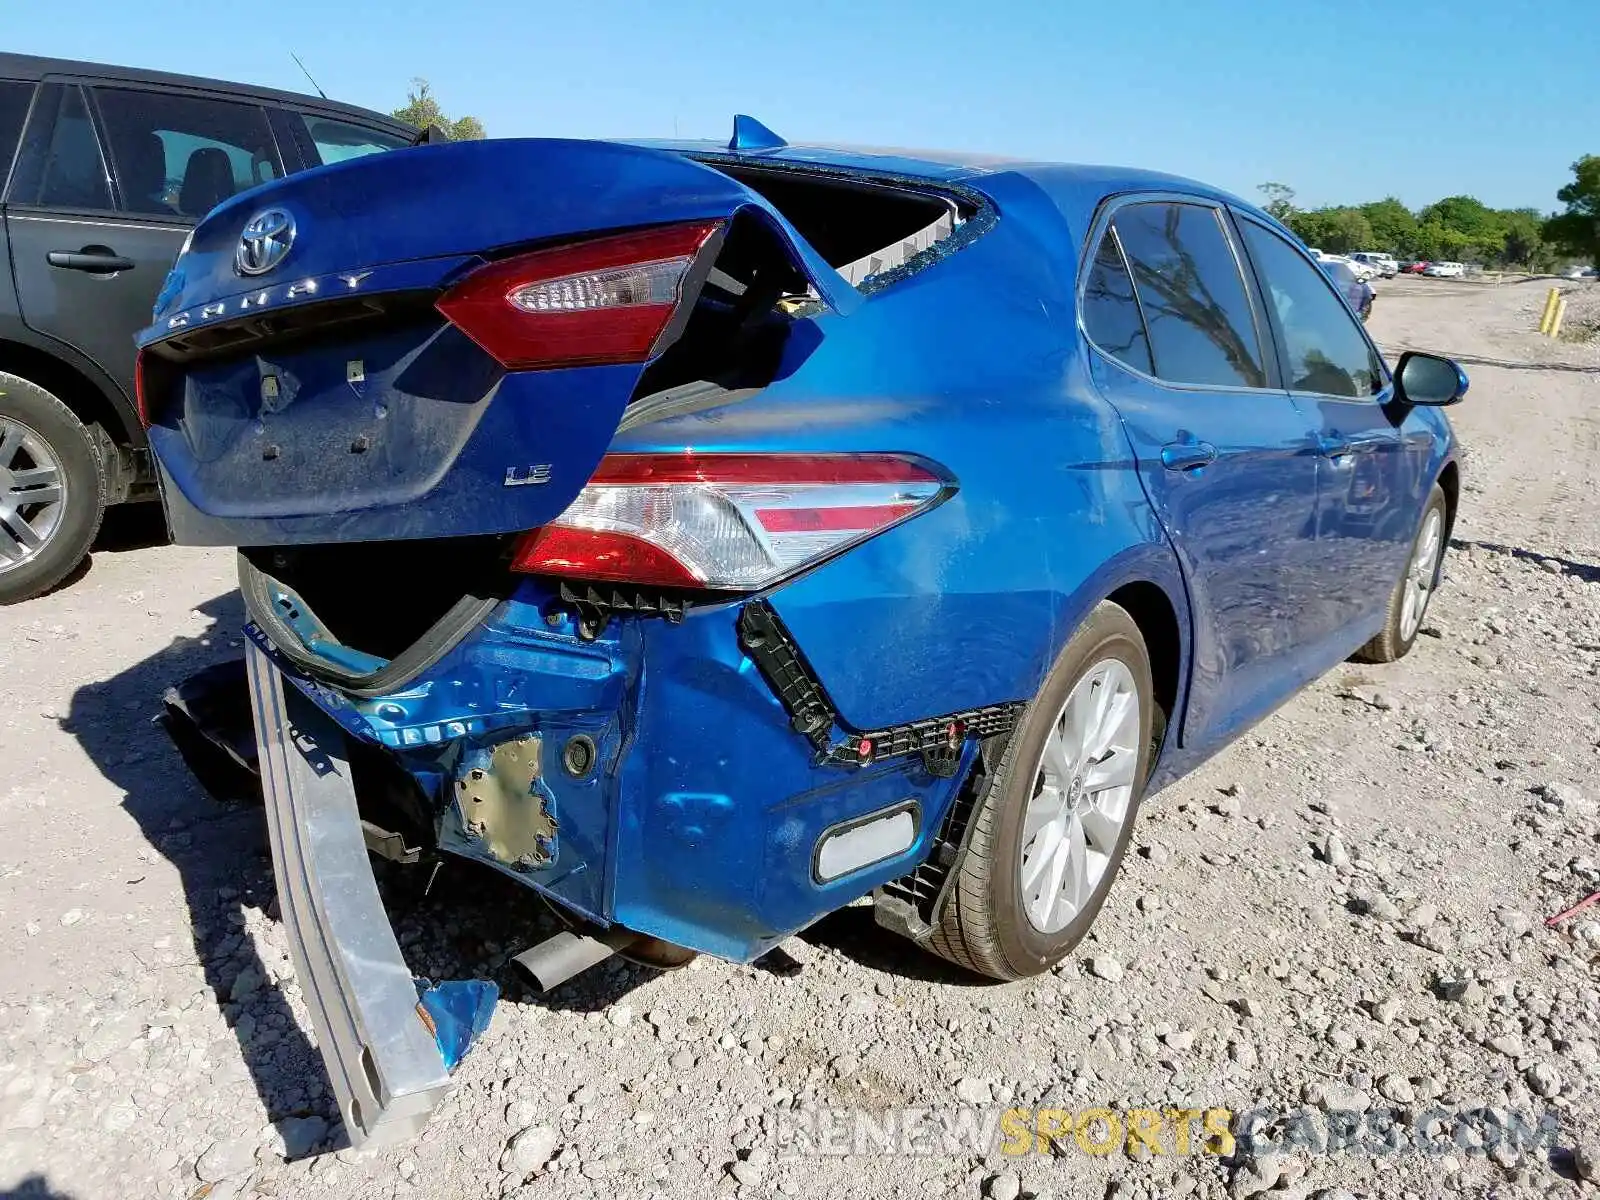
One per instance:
(301, 387)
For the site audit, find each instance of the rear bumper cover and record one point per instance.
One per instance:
(648, 778)
(380, 1047)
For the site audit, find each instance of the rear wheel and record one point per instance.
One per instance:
(1408, 603)
(1051, 828)
(52, 490)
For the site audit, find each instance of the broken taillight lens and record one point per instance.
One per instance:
(608, 300)
(729, 522)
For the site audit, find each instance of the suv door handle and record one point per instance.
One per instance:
(1334, 446)
(1187, 456)
(92, 261)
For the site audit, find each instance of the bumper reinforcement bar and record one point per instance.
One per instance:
(381, 1054)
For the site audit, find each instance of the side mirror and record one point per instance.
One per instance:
(1429, 379)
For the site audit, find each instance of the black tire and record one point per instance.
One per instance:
(984, 926)
(37, 412)
(1392, 643)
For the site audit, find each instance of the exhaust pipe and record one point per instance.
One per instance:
(558, 958)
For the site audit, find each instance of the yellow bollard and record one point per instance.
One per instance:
(1561, 315)
(1549, 309)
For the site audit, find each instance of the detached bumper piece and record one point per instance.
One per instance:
(388, 1053)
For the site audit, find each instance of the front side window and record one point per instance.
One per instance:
(337, 141)
(181, 156)
(1111, 315)
(1324, 348)
(1194, 300)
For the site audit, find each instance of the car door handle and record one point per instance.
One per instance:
(1334, 446)
(94, 263)
(1187, 456)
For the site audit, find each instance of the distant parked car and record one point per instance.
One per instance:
(1360, 269)
(1416, 267)
(1357, 291)
(1383, 264)
(1581, 273)
(1445, 270)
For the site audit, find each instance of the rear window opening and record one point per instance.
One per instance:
(862, 227)
(742, 334)
(422, 580)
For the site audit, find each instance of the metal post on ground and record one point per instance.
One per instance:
(1560, 316)
(1549, 309)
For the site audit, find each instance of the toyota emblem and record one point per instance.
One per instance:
(265, 242)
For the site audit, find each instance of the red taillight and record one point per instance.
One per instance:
(730, 522)
(600, 554)
(602, 301)
(139, 400)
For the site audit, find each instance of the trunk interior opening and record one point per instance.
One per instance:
(422, 581)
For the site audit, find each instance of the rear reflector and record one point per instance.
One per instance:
(609, 300)
(729, 522)
(856, 844)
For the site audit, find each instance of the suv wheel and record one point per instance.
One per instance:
(52, 490)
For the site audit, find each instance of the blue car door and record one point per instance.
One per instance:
(1227, 458)
(1369, 494)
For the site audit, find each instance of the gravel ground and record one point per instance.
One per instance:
(1342, 913)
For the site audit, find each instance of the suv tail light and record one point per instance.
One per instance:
(729, 522)
(609, 300)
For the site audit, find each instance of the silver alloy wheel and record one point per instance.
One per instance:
(33, 493)
(1082, 794)
(1421, 574)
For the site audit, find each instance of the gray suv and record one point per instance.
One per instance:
(103, 171)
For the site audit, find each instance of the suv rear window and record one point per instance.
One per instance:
(66, 171)
(14, 100)
(184, 155)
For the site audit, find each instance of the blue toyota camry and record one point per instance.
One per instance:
(710, 535)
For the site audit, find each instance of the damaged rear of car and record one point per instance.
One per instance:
(518, 441)
(708, 537)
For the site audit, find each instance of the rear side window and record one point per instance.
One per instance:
(181, 156)
(1111, 315)
(60, 164)
(337, 141)
(1323, 347)
(1194, 300)
(14, 98)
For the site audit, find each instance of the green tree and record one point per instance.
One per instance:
(1336, 230)
(1524, 244)
(1577, 230)
(422, 110)
(1394, 227)
(1278, 200)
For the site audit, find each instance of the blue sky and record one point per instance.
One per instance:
(1343, 101)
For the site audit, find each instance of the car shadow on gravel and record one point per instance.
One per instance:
(854, 932)
(220, 853)
(203, 813)
(1587, 572)
(34, 1187)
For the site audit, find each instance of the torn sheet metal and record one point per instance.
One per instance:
(458, 1012)
(501, 803)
